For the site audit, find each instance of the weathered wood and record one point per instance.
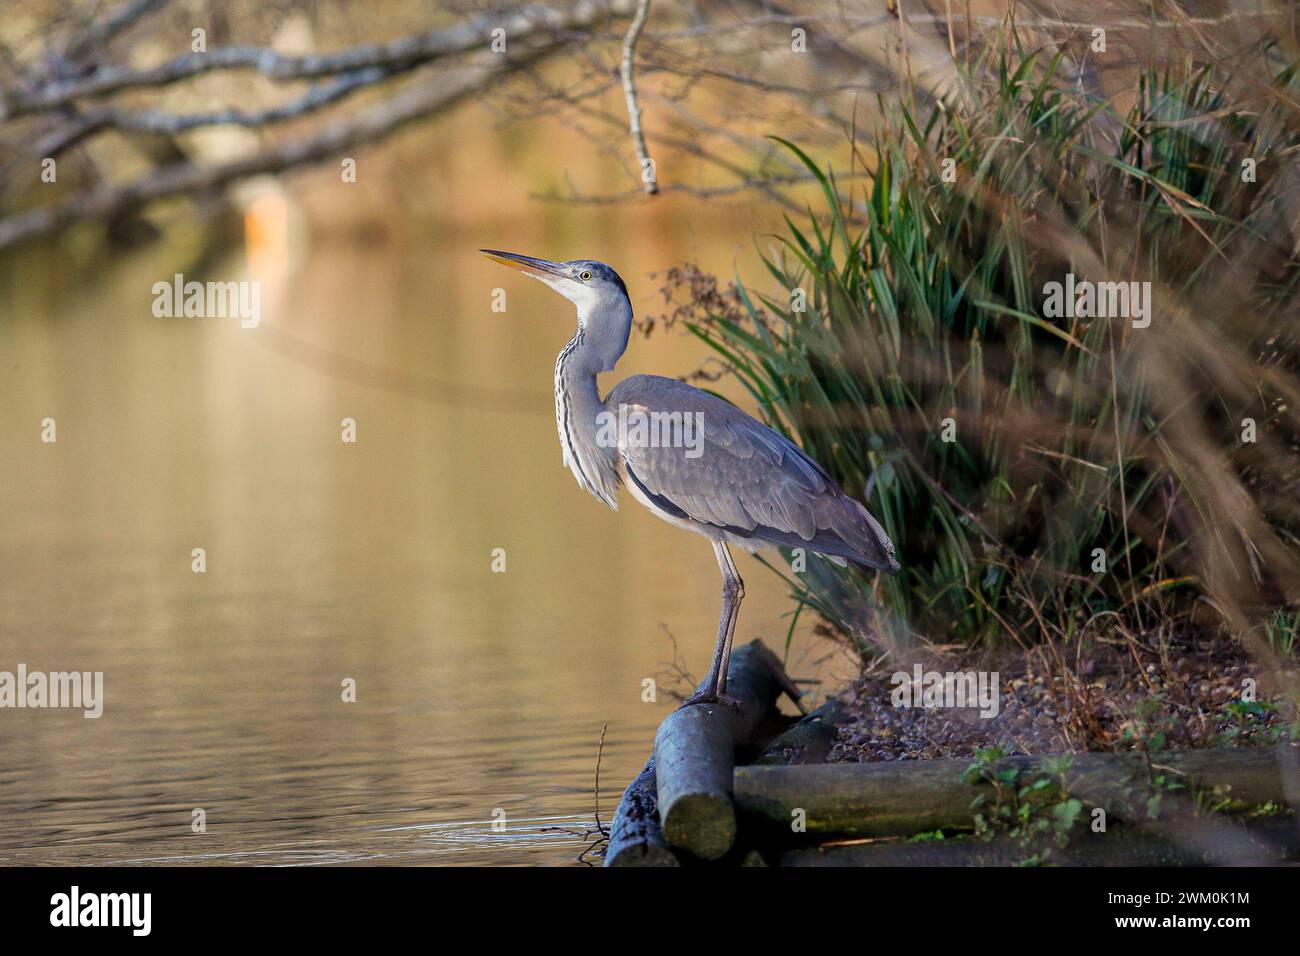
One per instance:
(635, 837)
(808, 741)
(1269, 843)
(906, 797)
(695, 750)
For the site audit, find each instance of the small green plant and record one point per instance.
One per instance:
(1038, 813)
(1150, 725)
(1281, 630)
(1156, 787)
(1242, 720)
(1270, 809)
(1213, 800)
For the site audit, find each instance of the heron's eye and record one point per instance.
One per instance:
(585, 276)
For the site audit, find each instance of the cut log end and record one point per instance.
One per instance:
(704, 822)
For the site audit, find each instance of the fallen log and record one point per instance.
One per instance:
(695, 750)
(808, 741)
(636, 835)
(899, 798)
(635, 838)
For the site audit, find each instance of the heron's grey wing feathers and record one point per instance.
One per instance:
(746, 478)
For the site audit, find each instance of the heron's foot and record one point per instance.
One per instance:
(709, 697)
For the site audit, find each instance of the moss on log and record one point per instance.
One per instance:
(906, 797)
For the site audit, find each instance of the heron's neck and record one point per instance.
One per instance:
(577, 405)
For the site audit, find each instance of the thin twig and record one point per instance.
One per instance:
(600, 751)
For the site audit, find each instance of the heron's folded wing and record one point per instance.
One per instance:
(728, 469)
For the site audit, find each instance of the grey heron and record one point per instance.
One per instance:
(689, 457)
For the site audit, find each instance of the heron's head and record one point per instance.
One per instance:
(604, 308)
(590, 285)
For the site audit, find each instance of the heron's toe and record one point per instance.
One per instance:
(708, 697)
(699, 697)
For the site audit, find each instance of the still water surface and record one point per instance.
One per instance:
(477, 692)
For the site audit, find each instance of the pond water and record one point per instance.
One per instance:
(480, 696)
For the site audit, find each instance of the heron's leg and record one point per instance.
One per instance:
(716, 681)
(736, 587)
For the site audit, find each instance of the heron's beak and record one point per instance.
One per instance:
(538, 268)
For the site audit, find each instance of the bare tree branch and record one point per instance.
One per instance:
(720, 49)
(184, 179)
(648, 176)
(103, 118)
(405, 53)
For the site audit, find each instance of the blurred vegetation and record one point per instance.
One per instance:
(924, 302)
